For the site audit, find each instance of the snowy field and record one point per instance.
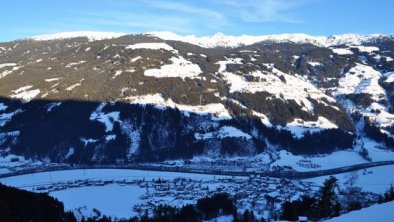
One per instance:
(113, 199)
(121, 196)
(336, 159)
(376, 179)
(319, 162)
(381, 213)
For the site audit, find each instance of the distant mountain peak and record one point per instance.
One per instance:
(220, 39)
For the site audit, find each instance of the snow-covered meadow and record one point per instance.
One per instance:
(379, 212)
(376, 179)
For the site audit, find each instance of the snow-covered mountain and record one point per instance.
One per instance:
(111, 97)
(92, 36)
(222, 40)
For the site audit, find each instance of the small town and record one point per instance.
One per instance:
(264, 195)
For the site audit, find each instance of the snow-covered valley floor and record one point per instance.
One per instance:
(133, 191)
(112, 199)
(125, 193)
(376, 179)
(115, 192)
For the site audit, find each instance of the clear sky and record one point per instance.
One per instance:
(23, 18)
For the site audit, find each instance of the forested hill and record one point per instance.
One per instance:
(86, 98)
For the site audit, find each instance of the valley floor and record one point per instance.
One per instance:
(131, 192)
(257, 182)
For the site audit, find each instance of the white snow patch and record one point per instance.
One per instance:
(315, 64)
(24, 93)
(88, 49)
(6, 117)
(383, 118)
(368, 49)
(135, 59)
(179, 67)
(21, 89)
(389, 77)
(296, 57)
(74, 64)
(377, 151)
(130, 70)
(108, 119)
(377, 114)
(70, 88)
(264, 119)
(134, 136)
(225, 218)
(299, 127)
(153, 46)
(52, 80)
(3, 107)
(117, 73)
(73, 86)
(2, 65)
(218, 110)
(70, 152)
(342, 51)
(87, 141)
(361, 79)
(377, 58)
(53, 105)
(110, 137)
(223, 64)
(8, 71)
(223, 132)
(8, 161)
(320, 162)
(294, 88)
(85, 199)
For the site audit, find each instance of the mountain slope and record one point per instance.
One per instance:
(377, 212)
(92, 97)
(20, 205)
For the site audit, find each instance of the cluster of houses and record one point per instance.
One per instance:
(264, 195)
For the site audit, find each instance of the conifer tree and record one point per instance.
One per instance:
(328, 205)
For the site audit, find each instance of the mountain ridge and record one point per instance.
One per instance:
(221, 40)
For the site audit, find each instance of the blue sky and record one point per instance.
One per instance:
(23, 18)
